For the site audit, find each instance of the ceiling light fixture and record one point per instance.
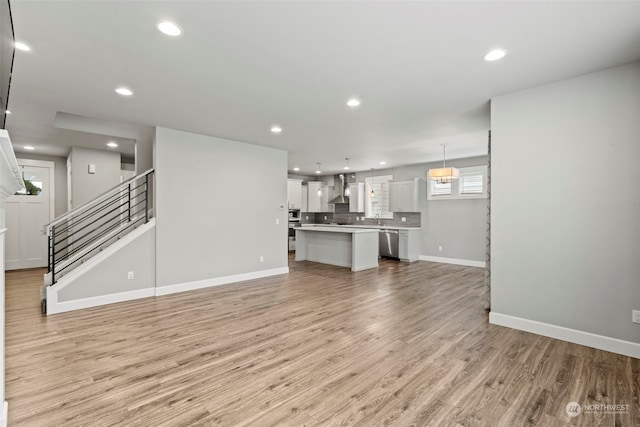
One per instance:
(347, 166)
(22, 46)
(383, 163)
(353, 102)
(124, 91)
(494, 55)
(169, 28)
(296, 169)
(112, 144)
(372, 193)
(444, 175)
(7, 112)
(318, 170)
(29, 147)
(276, 129)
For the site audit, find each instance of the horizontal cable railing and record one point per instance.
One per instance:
(81, 233)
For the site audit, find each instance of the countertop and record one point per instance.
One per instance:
(374, 227)
(336, 229)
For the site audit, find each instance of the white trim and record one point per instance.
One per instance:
(614, 345)
(54, 307)
(3, 230)
(217, 281)
(466, 262)
(5, 415)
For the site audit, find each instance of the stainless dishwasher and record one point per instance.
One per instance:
(389, 243)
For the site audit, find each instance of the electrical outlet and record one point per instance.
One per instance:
(130, 275)
(306, 217)
(635, 316)
(440, 248)
(404, 219)
(325, 218)
(277, 221)
(261, 258)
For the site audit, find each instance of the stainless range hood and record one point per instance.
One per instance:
(341, 198)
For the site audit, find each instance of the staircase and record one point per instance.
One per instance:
(82, 233)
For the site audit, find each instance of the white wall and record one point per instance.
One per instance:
(217, 202)
(86, 186)
(566, 205)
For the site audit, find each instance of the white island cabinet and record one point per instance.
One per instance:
(356, 248)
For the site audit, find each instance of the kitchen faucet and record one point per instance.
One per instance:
(378, 219)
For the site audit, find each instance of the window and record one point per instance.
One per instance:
(379, 204)
(472, 184)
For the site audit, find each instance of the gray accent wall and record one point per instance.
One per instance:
(565, 203)
(110, 275)
(217, 202)
(86, 186)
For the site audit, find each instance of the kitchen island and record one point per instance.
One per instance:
(356, 248)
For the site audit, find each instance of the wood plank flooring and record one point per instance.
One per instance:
(403, 345)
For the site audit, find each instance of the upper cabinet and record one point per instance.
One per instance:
(294, 193)
(356, 197)
(404, 195)
(305, 199)
(318, 196)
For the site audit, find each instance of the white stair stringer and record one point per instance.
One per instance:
(103, 278)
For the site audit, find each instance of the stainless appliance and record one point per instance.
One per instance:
(388, 240)
(294, 219)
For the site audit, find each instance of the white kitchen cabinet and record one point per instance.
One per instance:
(404, 195)
(409, 245)
(294, 193)
(318, 196)
(356, 198)
(304, 207)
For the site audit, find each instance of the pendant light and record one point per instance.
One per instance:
(444, 175)
(318, 171)
(347, 166)
(372, 194)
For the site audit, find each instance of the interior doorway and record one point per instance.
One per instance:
(26, 214)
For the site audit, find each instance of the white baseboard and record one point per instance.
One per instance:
(466, 262)
(614, 345)
(54, 307)
(217, 281)
(5, 415)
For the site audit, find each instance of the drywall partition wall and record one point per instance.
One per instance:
(217, 204)
(458, 226)
(565, 239)
(108, 274)
(60, 178)
(86, 186)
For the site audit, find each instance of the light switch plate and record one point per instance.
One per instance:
(92, 168)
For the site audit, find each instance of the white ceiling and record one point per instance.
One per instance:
(242, 66)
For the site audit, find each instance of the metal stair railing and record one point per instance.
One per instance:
(82, 232)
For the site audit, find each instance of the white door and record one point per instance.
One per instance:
(26, 214)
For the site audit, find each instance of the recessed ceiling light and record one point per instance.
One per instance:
(29, 147)
(7, 112)
(383, 163)
(124, 91)
(112, 144)
(22, 46)
(353, 102)
(169, 28)
(276, 129)
(495, 54)
(296, 169)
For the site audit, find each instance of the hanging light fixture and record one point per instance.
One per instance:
(347, 166)
(318, 170)
(372, 194)
(444, 175)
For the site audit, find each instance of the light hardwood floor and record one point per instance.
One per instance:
(405, 345)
